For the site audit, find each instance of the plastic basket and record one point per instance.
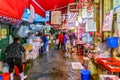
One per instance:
(112, 42)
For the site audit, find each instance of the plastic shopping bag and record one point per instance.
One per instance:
(57, 41)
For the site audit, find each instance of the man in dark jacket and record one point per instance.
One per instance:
(14, 57)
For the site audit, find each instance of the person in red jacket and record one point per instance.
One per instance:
(60, 39)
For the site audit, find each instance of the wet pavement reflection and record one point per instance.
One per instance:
(53, 66)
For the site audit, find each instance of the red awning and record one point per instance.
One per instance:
(53, 4)
(12, 8)
(38, 9)
(41, 6)
(15, 8)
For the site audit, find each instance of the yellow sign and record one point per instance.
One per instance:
(0, 34)
(4, 33)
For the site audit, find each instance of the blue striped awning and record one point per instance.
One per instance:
(9, 20)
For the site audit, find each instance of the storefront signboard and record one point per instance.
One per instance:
(56, 17)
(107, 26)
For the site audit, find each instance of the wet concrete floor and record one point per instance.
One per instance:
(53, 66)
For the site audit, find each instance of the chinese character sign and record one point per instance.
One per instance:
(56, 17)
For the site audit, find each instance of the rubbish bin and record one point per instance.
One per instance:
(0, 77)
(85, 74)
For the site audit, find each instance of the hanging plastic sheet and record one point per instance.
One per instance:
(10, 39)
(9, 20)
(23, 31)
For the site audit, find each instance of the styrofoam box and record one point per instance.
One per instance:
(114, 77)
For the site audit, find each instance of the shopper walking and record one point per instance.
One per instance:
(60, 39)
(56, 41)
(14, 57)
(64, 41)
(45, 41)
(72, 37)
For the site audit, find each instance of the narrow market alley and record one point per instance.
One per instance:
(53, 66)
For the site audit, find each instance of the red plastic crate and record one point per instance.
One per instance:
(6, 76)
(106, 60)
(112, 69)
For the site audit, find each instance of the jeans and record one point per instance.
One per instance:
(45, 46)
(15, 61)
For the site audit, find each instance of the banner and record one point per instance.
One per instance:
(107, 25)
(56, 17)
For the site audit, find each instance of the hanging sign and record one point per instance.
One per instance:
(107, 26)
(56, 17)
(87, 13)
(90, 14)
(71, 24)
(84, 13)
(73, 16)
(90, 25)
(32, 14)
